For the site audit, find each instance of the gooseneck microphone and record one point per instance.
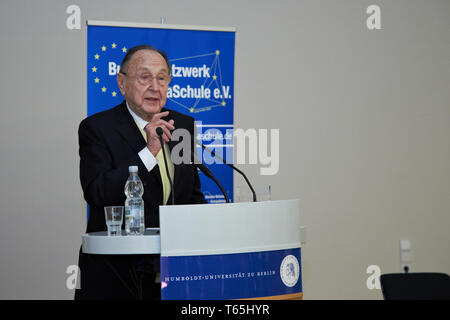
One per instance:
(159, 132)
(209, 174)
(231, 166)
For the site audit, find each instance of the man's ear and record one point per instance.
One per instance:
(121, 83)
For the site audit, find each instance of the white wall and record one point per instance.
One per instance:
(364, 119)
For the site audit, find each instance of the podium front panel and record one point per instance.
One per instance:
(231, 251)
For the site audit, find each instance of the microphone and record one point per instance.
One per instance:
(209, 174)
(230, 165)
(159, 132)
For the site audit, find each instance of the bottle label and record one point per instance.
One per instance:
(128, 215)
(135, 213)
(132, 215)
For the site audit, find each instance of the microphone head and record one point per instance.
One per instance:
(159, 131)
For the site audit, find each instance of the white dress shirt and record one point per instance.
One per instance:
(146, 156)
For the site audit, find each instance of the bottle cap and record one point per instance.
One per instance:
(133, 169)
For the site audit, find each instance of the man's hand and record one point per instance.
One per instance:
(153, 143)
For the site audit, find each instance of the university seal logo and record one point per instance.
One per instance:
(290, 271)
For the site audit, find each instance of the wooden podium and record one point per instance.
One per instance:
(248, 250)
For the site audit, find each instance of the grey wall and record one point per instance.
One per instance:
(364, 119)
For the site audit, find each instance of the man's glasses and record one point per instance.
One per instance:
(146, 79)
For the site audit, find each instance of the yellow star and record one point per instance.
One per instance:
(191, 110)
(103, 48)
(214, 77)
(103, 89)
(114, 45)
(223, 103)
(124, 49)
(114, 93)
(94, 69)
(96, 80)
(96, 56)
(217, 52)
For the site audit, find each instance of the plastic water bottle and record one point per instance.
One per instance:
(134, 205)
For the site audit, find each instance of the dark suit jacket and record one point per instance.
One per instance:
(109, 143)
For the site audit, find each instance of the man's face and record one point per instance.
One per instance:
(145, 97)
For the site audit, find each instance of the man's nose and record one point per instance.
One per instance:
(154, 85)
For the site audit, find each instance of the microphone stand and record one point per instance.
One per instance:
(231, 166)
(209, 174)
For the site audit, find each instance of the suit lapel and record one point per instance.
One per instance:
(128, 129)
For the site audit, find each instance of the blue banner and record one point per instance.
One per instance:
(231, 276)
(202, 83)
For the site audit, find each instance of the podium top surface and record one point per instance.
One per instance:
(101, 243)
(208, 229)
(230, 228)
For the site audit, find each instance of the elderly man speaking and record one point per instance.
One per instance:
(110, 142)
